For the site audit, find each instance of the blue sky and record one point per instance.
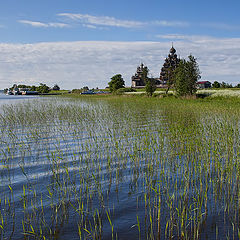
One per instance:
(77, 43)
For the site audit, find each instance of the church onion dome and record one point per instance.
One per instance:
(172, 50)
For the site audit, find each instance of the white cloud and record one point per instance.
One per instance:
(171, 23)
(102, 20)
(89, 26)
(192, 38)
(86, 19)
(76, 64)
(44, 25)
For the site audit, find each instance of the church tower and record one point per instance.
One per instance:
(138, 80)
(170, 64)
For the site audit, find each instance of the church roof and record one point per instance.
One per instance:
(172, 50)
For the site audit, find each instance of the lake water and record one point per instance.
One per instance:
(13, 99)
(116, 169)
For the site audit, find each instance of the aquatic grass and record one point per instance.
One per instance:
(75, 164)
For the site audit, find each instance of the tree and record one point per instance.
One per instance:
(216, 85)
(33, 88)
(186, 76)
(150, 86)
(56, 87)
(223, 85)
(23, 86)
(43, 88)
(85, 88)
(116, 83)
(170, 76)
(145, 74)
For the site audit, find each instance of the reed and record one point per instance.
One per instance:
(92, 167)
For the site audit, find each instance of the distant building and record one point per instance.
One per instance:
(203, 84)
(138, 79)
(170, 64)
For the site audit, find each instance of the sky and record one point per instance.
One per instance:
(75, 43)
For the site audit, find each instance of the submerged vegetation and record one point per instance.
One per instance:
(120, 168)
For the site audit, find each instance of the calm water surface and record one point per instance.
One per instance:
(96, 169)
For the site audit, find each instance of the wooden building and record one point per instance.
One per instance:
(170, 64)
(138, 80)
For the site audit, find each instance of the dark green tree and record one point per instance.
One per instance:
(85, 88)
(150, 86)
(56, 87)
(223, 85)
(216, 84)
(186, 76)
(33, 88)
(145, 74)
(170, 76)
(229, 85)
(116, 83)
(23, 86)
(43, 88)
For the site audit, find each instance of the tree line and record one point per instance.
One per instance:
(217, 84)
(42, 88)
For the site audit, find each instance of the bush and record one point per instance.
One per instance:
(129, 90)
(150, 86)
(76, 91)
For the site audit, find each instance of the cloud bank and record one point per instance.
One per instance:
(77, 64)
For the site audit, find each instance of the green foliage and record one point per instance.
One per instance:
(76, 91)
(226, 85)
(123, 90)
(216, 84)
(145, 74)
(23, 86)
(85, 88)
(56, 87)
(170, 76)
(186, 76)
(150, 86)
(116, 83)
(33, 88)
(43, 88)
(129, 90)
(120, 91)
